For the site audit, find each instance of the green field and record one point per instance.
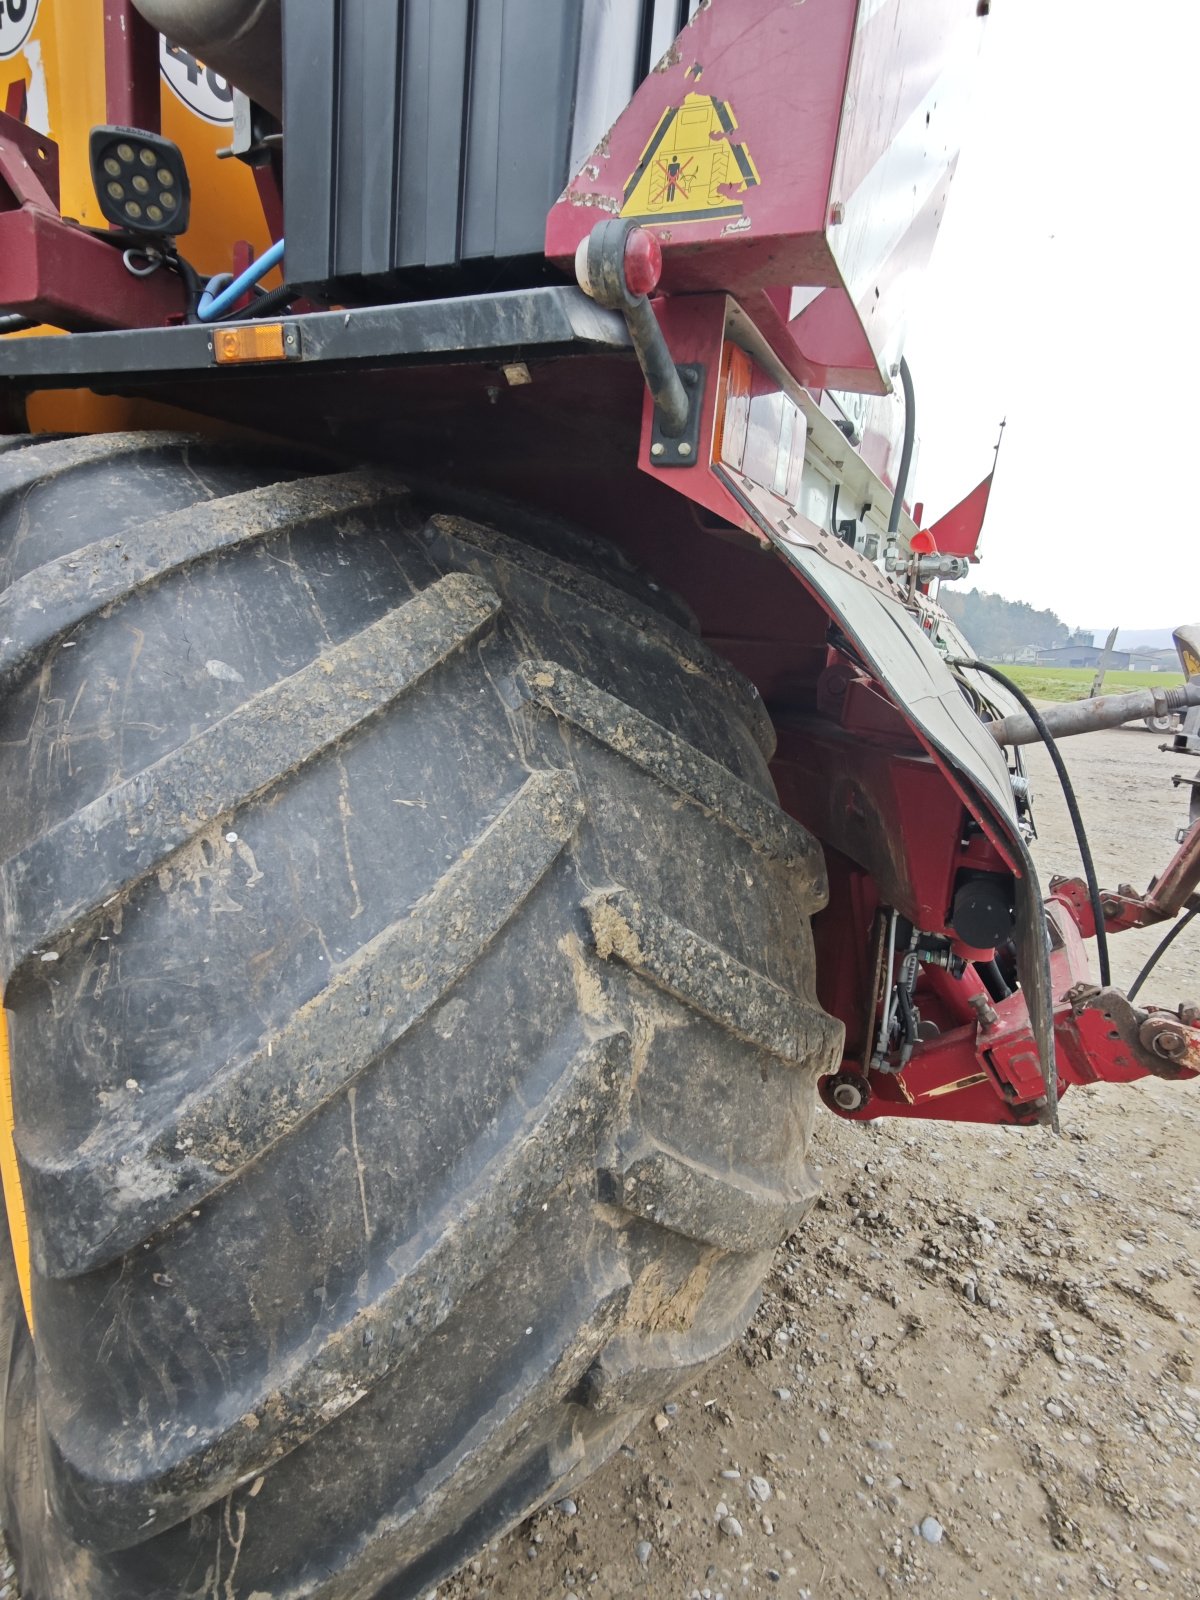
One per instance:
(1073, 683)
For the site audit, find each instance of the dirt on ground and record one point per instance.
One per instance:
(975, 1371)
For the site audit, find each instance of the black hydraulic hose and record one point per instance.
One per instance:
(1160, 950)
(14, 322)
(993, 979)
(910, 434)
(270, 300)
(191, 280)
(1085, 852)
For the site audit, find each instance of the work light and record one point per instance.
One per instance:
(140, 179)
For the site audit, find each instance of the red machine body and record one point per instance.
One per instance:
(841, 201)
(788, 165)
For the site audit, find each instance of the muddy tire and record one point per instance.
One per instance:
(413, 1033)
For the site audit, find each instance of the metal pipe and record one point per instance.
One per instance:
(658, 369)
(1176, 883)
(1086, 716)
(239, 39)
(910, 434)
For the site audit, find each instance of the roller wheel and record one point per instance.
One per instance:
(410, 995)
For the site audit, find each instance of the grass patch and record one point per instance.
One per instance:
(1073, 683)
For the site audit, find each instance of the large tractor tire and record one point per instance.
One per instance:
(413, 1035)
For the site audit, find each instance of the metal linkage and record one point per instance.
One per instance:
(1172, 891)
(1087, 716)
(983, 1064)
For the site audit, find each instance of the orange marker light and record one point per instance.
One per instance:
(252, 341)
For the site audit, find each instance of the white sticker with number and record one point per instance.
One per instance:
(200, 88)
(16, 24)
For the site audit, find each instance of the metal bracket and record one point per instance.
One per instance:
(1164, 1043)
(680, 449)
(256, 133)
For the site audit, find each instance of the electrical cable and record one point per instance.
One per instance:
(191, 279)
(833, 511)
(151, 258)
(213, 287)
(1160, 950)
(269, 300)
(211, 310)
(906, 452)
(148, 246)
(1085, 852)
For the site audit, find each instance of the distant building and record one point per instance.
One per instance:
(1154, 660)
(1081, 655)
(1025, 656)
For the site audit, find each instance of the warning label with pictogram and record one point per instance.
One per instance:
(693, 169)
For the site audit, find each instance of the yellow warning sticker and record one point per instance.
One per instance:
(693, 169)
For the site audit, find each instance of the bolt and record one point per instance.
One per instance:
(684, 449)
(983, 1009)
(688, 374)
(1169, 1044)
(658, 449)
(1164, 1037)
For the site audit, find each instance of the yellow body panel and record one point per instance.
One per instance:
(14, 1200)
(62, 66)
(61, 63)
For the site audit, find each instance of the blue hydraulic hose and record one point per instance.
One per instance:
(230, 296)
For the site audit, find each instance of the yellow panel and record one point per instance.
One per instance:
(62, 66)
(225, 203)
(82, 411)
(14, 1200)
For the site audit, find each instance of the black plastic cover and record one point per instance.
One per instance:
(421, 135)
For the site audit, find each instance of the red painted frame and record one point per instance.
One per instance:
(897, 820)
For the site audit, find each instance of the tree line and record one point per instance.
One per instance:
(995, 626)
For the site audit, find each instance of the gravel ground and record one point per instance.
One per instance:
(974, 1372)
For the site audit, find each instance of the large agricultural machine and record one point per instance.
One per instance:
(480, 752)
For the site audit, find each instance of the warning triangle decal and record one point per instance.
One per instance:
(693, 169)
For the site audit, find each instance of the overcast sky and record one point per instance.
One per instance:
(1063, 295)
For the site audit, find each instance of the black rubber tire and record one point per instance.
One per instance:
(412, 1016)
